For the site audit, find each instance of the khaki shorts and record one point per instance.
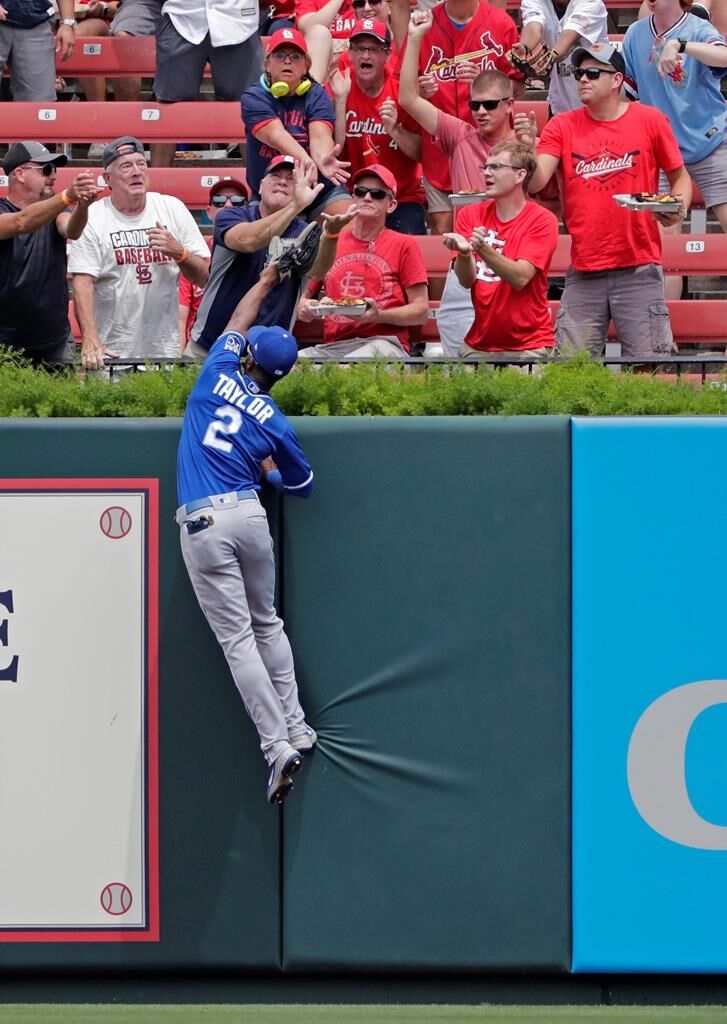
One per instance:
(633, 297)
(468, 352)
(383, 347)
(437, 201)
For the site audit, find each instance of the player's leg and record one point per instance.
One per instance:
(210, 555)
(254, 549)
(639, 310)
(583, 315)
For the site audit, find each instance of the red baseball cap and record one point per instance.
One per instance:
(229, 183)
(281, 160)
(286, 37)
(371, 27)
(379, 171)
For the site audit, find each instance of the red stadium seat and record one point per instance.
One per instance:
(703, 255)
(151, 122)
(99, 122)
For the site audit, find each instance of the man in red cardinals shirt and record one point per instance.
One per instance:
(369, 127)
(504, 247)
(466, 37)
(605, 148)
(378, 265)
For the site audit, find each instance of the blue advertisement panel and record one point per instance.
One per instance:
(649, 695)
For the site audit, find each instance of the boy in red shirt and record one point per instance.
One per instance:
(504, 247)
(369, 127)
(607, 147)
(378, 265)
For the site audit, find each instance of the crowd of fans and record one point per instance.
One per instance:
(367, 123)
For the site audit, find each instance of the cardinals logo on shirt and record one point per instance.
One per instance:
(445, 68)
(483, 272)
(679, 75)
(601, 168)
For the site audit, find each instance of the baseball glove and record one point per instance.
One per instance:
(537, 62)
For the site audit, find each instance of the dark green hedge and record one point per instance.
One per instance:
(578, 387)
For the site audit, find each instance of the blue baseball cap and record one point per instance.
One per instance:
(273, 349)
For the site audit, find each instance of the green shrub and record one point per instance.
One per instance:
(578, 387)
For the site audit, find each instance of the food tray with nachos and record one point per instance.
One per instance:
(649, 202)
(465, 198)
(343, 307)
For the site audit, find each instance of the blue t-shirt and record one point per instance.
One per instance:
(259, 106)
(26, 13)
(230, 426)
(691, 97)
(232, 274)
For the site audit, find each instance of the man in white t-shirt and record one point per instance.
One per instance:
(127, 262)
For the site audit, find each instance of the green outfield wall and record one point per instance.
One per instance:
(426, 590)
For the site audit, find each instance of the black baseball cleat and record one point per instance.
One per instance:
(286, 765)
(298, 257)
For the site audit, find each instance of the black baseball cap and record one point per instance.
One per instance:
(121, 147)
(31, 153)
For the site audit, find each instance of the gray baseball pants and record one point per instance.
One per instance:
(232, 569)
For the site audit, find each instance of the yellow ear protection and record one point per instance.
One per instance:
(280, 89)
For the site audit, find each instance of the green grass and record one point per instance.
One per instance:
(312, 1014)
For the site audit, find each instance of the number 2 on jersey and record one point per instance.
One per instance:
(229, 421)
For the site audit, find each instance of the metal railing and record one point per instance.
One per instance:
(693, 365)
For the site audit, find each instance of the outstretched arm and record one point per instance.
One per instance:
(423, 112)
(247, 309)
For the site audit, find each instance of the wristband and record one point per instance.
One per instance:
(183, 257)
(332, 236)
(682, 45)
(65, 197)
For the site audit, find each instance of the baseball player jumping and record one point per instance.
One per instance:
(231, 434)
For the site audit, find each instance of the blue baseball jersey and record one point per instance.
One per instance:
(260, 107)
(690, 97)
(230, 426)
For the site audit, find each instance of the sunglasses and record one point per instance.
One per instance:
(592, 74)
(359, 4)
(45, 169)
(360, 191)
(235, 200)
(488, 104)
